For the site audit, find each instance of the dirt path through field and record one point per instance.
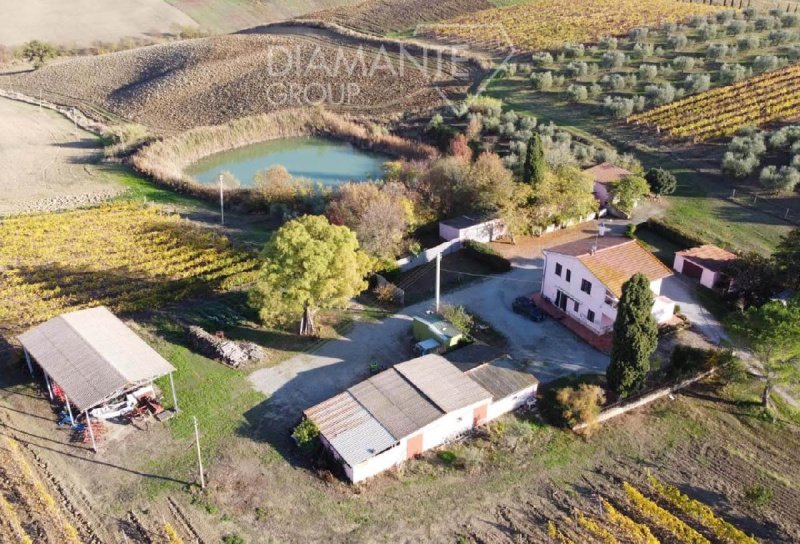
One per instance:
(45, 162)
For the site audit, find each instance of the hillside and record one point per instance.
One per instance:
(385, 16)
(213, 80)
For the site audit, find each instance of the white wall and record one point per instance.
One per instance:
(449, 426)
(707, 279)
(375, 465)
(510, 403)
(678, 263)
(596, 300)
(482, 232)
(445, 248)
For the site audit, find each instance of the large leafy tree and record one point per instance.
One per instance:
(635, 337)
(308, 264)
(787, 258)
(534, 167)
(628, 191)
(773, 332)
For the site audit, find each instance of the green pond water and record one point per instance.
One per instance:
(329, 162)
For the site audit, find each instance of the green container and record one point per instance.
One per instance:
(433, 326)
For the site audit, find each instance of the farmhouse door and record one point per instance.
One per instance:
(692, 270)
(561, 300)
(414, 446)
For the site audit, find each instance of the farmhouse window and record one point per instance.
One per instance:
(558, 269)
(569, 275)
(590, 316)
(577, 306)
(586, 287)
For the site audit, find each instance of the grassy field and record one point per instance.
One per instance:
(699, 206)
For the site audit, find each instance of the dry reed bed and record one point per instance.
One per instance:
(166, 160)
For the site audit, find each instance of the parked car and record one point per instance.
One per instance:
(527, 307)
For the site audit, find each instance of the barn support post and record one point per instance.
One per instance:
(174, 394)
(28, 360)
(49, 388)
(91, 431)
(69, 410)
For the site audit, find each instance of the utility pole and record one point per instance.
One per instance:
(221, 202)
(438, 279)
(199, 458)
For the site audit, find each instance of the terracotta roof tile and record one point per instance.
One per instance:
(615, 265)
(708, 256)
(607, 173)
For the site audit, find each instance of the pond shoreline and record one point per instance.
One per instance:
(166, 161)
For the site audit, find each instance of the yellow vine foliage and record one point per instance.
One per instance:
(662, 518)
(596, 530)
(636, 532)
(546, 24)
(10, 516)
(701, 513)
(42, 495)
(124, 255)
(556, 535)
(724, 110)
(172, 534)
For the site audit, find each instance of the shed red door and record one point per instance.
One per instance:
(414, 446)
(692, 270)
(479, 415)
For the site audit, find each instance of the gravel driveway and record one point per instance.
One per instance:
(681, 289)
(550, 348)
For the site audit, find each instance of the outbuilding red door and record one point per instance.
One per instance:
(479, 415)
(692, 270)
(414, 446)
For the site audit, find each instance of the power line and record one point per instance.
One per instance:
(489, 276)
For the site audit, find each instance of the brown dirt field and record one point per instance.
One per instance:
(709, 446)
(213, 80)
(46, 163)
(385, 16)
(82, 22)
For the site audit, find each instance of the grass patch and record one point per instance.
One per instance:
(140, 189)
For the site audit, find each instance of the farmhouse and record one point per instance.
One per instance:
(605, 175)
(584, 279)
(93, 362)
(706, 264)
(465, 227)
(411, 408)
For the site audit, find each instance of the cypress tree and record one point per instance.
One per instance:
(533, 169)
(635, 337)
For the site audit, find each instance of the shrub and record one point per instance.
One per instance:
(542, 81)
(306, 433)
(613, 59)
(609, 43)
(662, 182)
(38, 52)
(683, 63)
(778, 37)
(677, 42)
(758, 495)
(765, 63)
(661, 94)
(764, 23)
(459, 317)
(708, 32)
(233, 539)
(731, 73)
(618, 106)
(748, 43)
(630, 230)
(576, 69)
(716, 51)
(790, 21)
(688, 359)
(736, 27)
(573, 50)
(697, 83)
(642, 50)
(541, 59)
(614, 82)
(578, 93)
(781, 180)
(484, 104)
(648, 72)
(487, 255)
(580, 405)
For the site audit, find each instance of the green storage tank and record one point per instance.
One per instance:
(433, 326)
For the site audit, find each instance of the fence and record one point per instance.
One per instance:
(760, 203)
(646, 398)
(445, 248)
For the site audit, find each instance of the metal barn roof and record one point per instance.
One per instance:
(442, 382)
(92, 355)
(502, 378)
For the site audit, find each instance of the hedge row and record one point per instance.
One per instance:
(487, 255)
(674, 234)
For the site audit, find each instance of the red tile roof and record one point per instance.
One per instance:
(708, 256)
(614, 260)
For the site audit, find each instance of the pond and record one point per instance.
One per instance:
(329, 162)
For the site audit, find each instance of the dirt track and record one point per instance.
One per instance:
(45, 163)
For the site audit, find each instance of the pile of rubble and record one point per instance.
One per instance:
(230, 352)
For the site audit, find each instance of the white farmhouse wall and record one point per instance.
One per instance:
(677, 265)
(596, 300)
(510, 403)
(709, 278)
(601, 193)
(482, 232)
